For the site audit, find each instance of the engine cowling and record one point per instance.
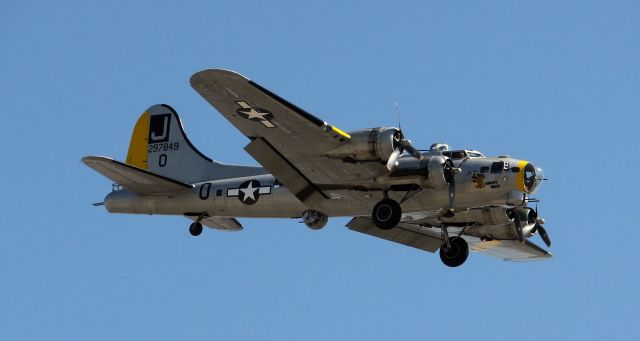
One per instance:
(374, 144)
(528, 218)
(438, 177)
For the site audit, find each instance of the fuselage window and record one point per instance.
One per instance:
(484, 169)
(218, 193)
(497, 167)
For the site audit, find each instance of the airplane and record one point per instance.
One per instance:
(438, 199)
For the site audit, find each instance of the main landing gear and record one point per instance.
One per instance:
(454, 251)
(386, 214)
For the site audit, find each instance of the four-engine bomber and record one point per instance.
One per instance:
(435, 199)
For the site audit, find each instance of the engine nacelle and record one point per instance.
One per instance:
(497, 222)
(429, 171)
(375, 144)
(436, 165)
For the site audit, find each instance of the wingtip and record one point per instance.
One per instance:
(199, 79)
(93, 158)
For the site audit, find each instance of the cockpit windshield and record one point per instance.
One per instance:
(461, 154)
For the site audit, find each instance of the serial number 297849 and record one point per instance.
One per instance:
(163, 147)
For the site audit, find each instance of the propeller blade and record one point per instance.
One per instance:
(393, 159)
(413, 151)
(452, 195)
(544, 235)
(516, 220)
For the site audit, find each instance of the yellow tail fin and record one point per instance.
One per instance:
(138, 155)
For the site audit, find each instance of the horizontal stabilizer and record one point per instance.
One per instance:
(134, 178)
(219, 223)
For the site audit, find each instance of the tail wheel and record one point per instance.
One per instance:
(386, 214)
(455, 255)
(195, 229)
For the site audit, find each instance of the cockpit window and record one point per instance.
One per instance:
(455, 154)
(497, 167)
(461, 154)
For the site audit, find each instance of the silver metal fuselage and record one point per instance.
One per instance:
(477, 185)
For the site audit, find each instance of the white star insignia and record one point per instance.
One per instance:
(251, 113)
(249, 192)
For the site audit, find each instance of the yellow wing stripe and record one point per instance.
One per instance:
(340, 132)
(138, 152)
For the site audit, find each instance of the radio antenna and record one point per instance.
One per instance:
(398, 115)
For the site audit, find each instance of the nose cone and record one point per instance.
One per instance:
(539, 178)
(529, 177)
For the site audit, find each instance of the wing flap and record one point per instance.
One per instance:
(511, 250)
(134, 178)
(287, 173)
(398, 234)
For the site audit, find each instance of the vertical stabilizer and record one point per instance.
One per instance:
(160, 145)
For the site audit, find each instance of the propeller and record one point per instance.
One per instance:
(543, 234)
(529, 219)
(450, 177)
(516, 220)
(538, 228)
(401, 144)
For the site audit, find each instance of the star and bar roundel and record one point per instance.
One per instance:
(249, 192)
(255, 114)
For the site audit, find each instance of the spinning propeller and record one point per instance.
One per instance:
(400, 144)
(530, 218)
(450, 177)
(543, 233)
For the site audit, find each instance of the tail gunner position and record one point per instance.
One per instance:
(436, 199)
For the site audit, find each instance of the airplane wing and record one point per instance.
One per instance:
(286, 140)
(428, 239)
(134, 178)
(219, 223)
(403, 233)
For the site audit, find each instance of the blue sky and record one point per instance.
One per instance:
(557, 83)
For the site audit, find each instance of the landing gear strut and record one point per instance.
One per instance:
(386, 214)
(454, 251)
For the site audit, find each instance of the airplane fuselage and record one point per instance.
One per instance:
(480, 183)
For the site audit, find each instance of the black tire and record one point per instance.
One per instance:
(386, 214)
(195, 229)
(457, 254)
